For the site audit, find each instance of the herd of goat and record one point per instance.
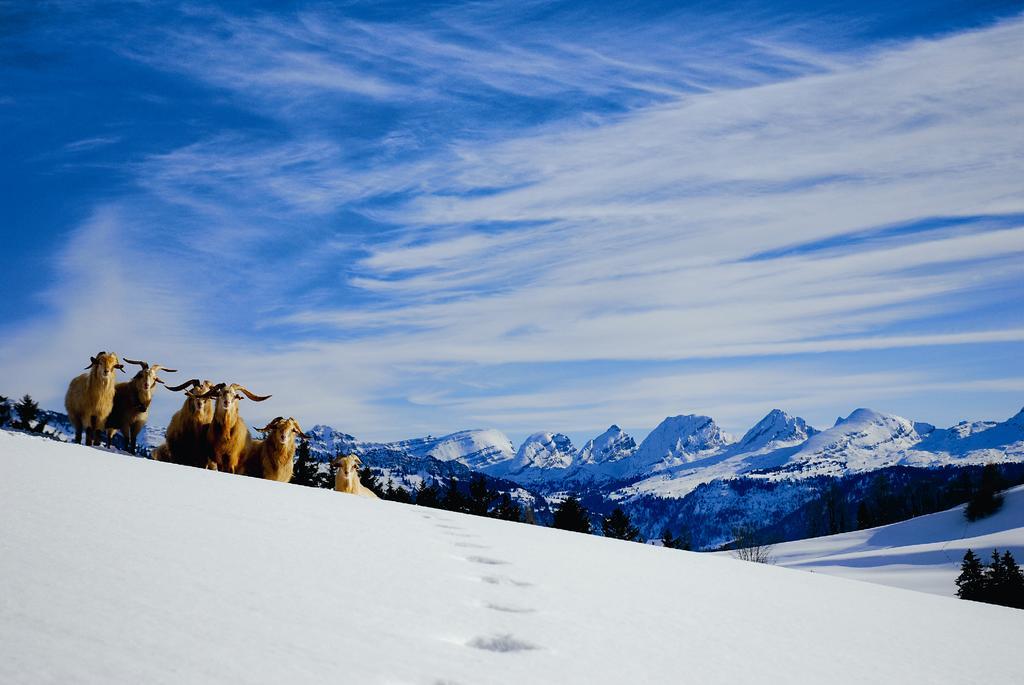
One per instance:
(207, 432)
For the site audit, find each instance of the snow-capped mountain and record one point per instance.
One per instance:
(541, 456)
(678, 440)
(481, 450)
(777, 429)
(607, 448)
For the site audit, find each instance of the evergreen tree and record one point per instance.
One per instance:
(396, 493)
(864, 517)
(369, 479)
(507, 509)
(453, 499)
(986, 499)
(306, 471)
(428, 495)
(971, 582)
(681, 542)
(5, 411)
(618, 526)
(571, 515)
(28, 411)
(1011, 592)
(480, 496)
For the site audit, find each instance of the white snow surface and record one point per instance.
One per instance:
(123, 570)
(922, 553)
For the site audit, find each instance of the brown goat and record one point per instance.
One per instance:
(90, 397)
(347, 477)
(228, 435)
(273, 458)
(185, 439)
(131, 403)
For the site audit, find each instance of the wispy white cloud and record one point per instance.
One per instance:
(685, 223)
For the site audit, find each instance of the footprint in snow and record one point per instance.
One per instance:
(504, 580)
(501, 643)
(486, 560)
(508, 609)
(471, 545)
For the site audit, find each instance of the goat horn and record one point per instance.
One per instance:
(164, 368)
(160, 380)
(119, 366)
(254, 398)
(187, 384)
(144, 365)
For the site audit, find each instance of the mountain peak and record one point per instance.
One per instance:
(679, 439)
(544, 451)
(611, 446)
(776, 428)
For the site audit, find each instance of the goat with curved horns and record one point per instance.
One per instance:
(185, 438)
(131, 403)
(228, 435)
(273, 458)
(90, 397)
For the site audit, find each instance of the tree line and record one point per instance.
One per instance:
(1001, 581)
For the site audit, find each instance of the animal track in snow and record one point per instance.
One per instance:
(504, 580)
(508, 609)
(471, 545)
(501, 643)
(486, 560)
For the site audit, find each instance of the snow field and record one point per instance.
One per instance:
(922, 553)
(116, 569)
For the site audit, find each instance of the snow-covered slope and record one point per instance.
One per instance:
(923, 553)
(125, 570)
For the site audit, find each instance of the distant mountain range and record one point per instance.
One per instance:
(687, 471)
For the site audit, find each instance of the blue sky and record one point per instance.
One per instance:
(402, 218)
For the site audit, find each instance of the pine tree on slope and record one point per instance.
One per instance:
(305, 471)
(618, 526)
(971, 582)
(571, 515)
(986, 500)
(5, 411)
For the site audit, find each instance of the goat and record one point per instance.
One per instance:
(228, 435)
(131, 403)
(273, 457)
(347, 477)
(185, 438)
(90, 397)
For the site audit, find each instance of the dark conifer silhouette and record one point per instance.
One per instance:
(306, 471)
(428, 495)
(571, 515)
(5, 411)
(618, 526)
(454, 500)
(1000, 582)
(507, 509)
(986, 499)
(971, 582)
(480, 496)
